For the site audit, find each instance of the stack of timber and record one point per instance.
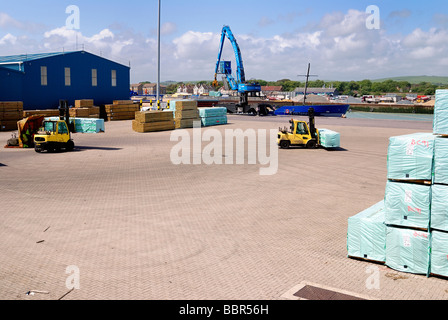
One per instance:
(85, 109)
(186, 114)
(410, 229)
(122, 110)
(45, 113)
(213, 116)
(10, 113)
(152, 121)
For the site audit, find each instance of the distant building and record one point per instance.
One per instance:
(137, 88)
(331, 92)
(202, 89)
(186, 89)
(151, 89)
(41, 80)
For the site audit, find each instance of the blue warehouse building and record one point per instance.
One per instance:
(41, 80)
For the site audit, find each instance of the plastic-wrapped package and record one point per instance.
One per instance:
(440, 125)
(408, 250)
(329, 138)
(410, 157)
(212, 112)
(85, 125)
(408, 204)
(439, 207)
(441, 160)
(213, 121)
(366, 234)
(439, 253)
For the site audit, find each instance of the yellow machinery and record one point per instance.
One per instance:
(300, 134)
(54, 135)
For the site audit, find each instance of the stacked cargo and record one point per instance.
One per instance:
(366, 237)
(185, 113)
(84, 125)
(151, 121)
(45, 113)
(213, 116)
(122, 110)
(416, 200)
(10, 113)
(85, 109)
(329, 138)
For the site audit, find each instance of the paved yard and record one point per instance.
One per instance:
(120, 217)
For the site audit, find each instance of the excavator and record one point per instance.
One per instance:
(54, 135)
(244, 88)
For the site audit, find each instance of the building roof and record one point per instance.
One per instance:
(317, 90)
(14, 62)
(271, 88)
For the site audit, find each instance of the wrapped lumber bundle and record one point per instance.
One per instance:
(441, 160)
(408, 205)
(45, 113)
(329, 138)
(185, 113)
(440, 125)
(85, 125)
(439, 253)
(85, 103)
(410, 157)
(151, 121)
(213, 116)
(10, 113)
(439, 207)
(408, 250)
(366, 234)
(116, 112)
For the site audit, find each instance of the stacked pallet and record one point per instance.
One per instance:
(121, 110)
(185, 113)
(10, 113)
(213, 116)
(329, 138)
(84, 125)
(85, 109)
(45, 113)
(152, 121)
(415, 214)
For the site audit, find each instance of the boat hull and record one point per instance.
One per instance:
(319, 110)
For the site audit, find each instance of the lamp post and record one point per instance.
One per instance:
(158, 53)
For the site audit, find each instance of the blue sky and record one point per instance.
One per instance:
(277, 39)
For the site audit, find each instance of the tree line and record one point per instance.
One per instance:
(351, 88)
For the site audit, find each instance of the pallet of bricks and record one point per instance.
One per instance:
(122, 110)
(186, 113)
(85, 109)
(152, 121)
(10, 113)
(408, 230)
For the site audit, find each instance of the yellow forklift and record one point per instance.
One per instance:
(300, 133)
(54, 135)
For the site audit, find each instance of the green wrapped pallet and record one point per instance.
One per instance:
(408, 204)
(439, 207)
(212, 112)
(329, 138)
(440, 125)
(439, 253)
(410, 157)
(366, 234)
(213, 121)
(441, 160)
(408, 250)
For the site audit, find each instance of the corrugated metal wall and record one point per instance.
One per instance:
(37, 96)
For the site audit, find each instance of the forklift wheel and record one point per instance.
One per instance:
(311, 144)
(70, 145)
(285, 144)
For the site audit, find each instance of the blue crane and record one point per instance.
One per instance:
(225, 67)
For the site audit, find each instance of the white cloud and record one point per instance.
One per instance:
(339, 46)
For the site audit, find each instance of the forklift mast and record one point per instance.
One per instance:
(64, 114)
(312, 123)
